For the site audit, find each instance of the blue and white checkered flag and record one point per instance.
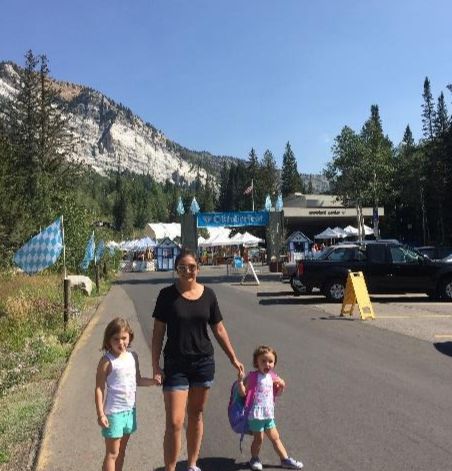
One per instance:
(42, 250)
(100, 249)
(89, 253)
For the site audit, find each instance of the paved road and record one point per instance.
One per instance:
(359, 397)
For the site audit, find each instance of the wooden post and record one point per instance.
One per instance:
(67, 300)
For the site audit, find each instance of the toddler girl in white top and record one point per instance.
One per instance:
(261, 418)
(118, 375)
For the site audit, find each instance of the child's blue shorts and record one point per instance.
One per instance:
(260, 425)
(120, 424)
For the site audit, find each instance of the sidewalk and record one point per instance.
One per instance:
(72, 439)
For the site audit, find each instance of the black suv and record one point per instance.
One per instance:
(388, 267)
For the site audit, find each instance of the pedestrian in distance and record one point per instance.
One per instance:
(185, 310)
(118, 375)
(264, 384)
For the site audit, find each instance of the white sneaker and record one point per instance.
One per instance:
(290, 463)
(255, 464)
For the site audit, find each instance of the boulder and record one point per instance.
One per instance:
(82, 282)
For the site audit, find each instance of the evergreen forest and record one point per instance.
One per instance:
(38, 183)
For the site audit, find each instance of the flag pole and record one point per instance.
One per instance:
(252, 192)
(66, 282)
(64, 247)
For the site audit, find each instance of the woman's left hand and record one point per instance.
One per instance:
(238, 366)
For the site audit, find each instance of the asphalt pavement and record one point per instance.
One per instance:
(371, 395)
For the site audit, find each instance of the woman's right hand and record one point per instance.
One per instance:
(158, 375)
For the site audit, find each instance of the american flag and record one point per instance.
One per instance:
(248, 189)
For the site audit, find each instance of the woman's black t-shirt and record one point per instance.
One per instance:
(186, 322)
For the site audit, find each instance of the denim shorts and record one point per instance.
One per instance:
(120, 424)
(186, 373)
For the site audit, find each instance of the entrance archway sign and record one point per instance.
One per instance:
(233, 219)
(272, 220)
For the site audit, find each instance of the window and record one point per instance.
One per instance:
(341, 255)
(403, 255)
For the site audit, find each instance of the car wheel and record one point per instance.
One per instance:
(298, 287)
(445, 289)
(334, 291)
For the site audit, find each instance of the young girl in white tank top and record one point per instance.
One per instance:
(118, 375)
(263, 385)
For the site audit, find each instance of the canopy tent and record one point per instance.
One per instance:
(137, 244)
(341, 234)
(328, 233)
(250, 240)
(161, 230)
(353, 231)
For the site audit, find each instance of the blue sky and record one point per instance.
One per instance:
(226, 76)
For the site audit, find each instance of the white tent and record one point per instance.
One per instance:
(353, 231)
(328, 233)
(145, 243)
(340, 232)
(161, 230)
(250, 240)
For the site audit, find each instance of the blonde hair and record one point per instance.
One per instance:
(261, 350)
(114, 327)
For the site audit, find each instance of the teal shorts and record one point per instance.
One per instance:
(260, 425)
(120, 424)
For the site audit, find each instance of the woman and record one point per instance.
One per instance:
(184, 310)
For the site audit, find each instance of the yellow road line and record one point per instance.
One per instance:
(442, 336)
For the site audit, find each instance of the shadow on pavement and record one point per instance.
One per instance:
(292, 300)
(262, 294)
(444, 347)
(402, 298)
(213, 464)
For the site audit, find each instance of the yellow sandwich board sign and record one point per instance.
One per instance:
(356, 293)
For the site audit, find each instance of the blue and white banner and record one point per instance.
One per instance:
(42, 250)
(89, 253)
(233, 219)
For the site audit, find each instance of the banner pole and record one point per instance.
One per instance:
(252, 192)
(64, 247)
(66, 282)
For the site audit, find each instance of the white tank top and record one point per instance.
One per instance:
(263, 404)
(121, 384)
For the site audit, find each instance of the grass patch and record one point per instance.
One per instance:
(34, 348)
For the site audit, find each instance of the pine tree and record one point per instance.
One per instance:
(252, 166)
(428, 111)
(268, 180)
(290, 178)
(378, 159)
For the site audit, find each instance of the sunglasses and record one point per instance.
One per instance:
(187, 268)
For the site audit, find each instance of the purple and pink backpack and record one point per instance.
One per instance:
(239, 407)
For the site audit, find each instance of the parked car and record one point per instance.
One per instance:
(388, 267)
